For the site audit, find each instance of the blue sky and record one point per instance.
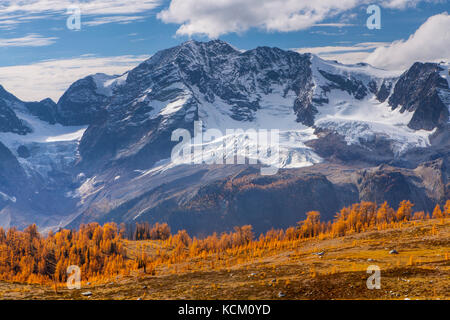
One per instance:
(115, 35)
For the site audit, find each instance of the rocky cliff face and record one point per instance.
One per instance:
(12, 175)
(82, 103)
(44, 110)
(9, 122)
(417, 91)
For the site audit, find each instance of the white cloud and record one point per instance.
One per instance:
(113, 19)
(429, 43)
(89, 7)
(344, 54)
(347, 57)
(31, 40)
(402, 4)
(336, 49)
(19, 11)
(337, 25)
(215, 18)
(50, 79)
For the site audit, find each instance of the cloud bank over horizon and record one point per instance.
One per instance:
(50, 79)
(429, 43)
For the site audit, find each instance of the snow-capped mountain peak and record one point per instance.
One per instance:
(106, 126)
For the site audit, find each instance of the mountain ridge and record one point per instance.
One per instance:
(103, 151)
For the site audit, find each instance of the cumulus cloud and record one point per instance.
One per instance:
(429, 43)
(49, 79)
(215, 18)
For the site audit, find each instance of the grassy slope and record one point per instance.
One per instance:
(295, 271)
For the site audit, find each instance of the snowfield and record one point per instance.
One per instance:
(363, 120)
(357, 120)
(50, 146)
